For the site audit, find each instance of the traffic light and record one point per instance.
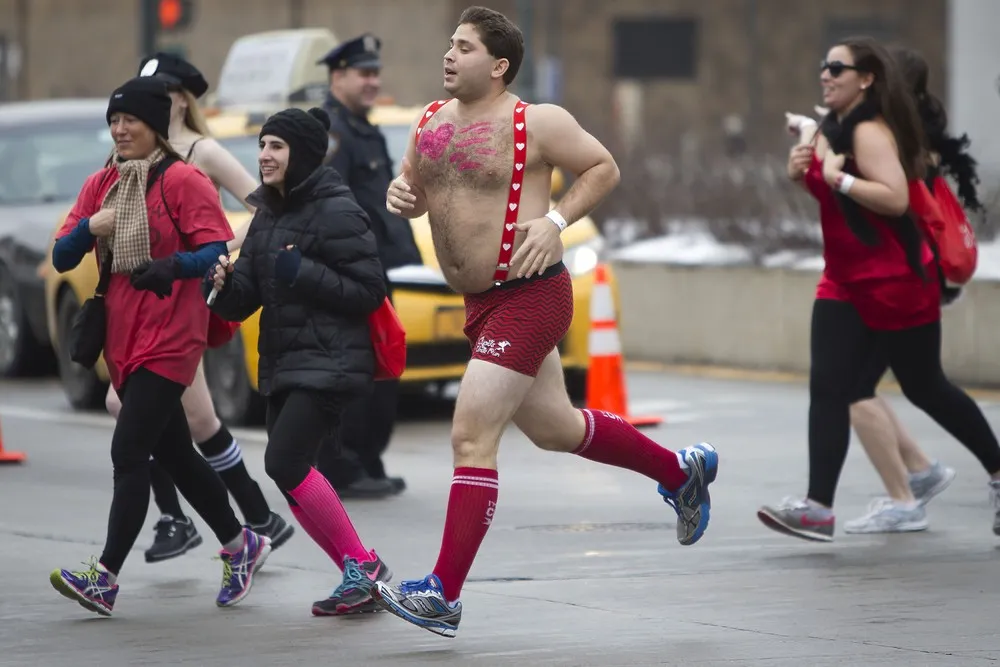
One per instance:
(162, 17)
(173, 14)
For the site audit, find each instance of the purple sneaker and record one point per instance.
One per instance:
(238, 568)
(89, 587)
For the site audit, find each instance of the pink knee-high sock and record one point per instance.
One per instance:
(318, 536)
(321, 505)
(471, 504)
(611, 440)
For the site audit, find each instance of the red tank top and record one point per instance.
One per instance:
(877, 280)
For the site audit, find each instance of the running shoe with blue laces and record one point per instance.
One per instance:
(89, 587)
(421, 603)
(238, 569)
(354, 594)
(692, 501)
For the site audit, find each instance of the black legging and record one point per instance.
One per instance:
(297, 422)
(152, 421)
(844, 353)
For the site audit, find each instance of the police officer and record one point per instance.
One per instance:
(358, 151)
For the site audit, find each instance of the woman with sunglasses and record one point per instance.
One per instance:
(175, 533)
(880, 298)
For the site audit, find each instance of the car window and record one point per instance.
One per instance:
(395, 140)
(49, 163)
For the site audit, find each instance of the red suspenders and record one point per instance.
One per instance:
(516, 180)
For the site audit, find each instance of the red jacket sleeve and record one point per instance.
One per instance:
(87, 203)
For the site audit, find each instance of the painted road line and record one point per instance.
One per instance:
(97, 420)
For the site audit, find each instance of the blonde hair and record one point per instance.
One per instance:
(194, 119)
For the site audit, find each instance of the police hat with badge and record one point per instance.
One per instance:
(361, 52)
(175, 71)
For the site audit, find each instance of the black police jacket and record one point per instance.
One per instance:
(314, 332)
(358, 151)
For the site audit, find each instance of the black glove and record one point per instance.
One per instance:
(286, 265)
(157, 277)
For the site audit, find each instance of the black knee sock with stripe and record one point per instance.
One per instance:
(223, 453)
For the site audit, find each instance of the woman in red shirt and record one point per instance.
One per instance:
(157, 224)
(882, 297)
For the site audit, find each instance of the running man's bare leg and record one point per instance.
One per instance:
(488, 398)
(551, 422)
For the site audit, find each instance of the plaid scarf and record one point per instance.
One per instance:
(129, 240)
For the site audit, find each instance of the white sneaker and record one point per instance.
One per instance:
(885, 516)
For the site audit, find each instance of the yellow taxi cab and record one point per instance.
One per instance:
(432, 313)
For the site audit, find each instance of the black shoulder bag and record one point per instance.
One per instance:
(87, 334)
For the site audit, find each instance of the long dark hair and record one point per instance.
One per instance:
(891, 99)
(952, 150)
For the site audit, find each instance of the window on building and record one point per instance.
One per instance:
(655, 48)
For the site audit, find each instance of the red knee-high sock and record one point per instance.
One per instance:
(471, 504)
(611, 440)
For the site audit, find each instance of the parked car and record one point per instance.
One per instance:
(431, 312)
(47, 150)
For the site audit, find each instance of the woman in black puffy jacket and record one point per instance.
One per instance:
(311, 262)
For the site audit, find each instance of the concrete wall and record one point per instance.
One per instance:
(759, 318)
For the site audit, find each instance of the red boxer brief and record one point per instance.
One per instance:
(517, 324)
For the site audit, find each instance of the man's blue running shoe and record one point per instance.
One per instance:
(89, 587)
(421, 603)
(238, 569)
(692, 501)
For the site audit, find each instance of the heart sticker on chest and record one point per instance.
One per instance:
(433, 143)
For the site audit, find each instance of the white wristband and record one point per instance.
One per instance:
(559, 221)
(846, 182)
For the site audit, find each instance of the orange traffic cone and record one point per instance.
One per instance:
(605, 376)
(9, 456)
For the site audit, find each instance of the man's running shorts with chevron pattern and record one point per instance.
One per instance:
(517, 324)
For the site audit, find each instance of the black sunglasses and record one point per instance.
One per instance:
(836, 67)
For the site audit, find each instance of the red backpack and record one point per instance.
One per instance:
(947, 228)
(388, 342)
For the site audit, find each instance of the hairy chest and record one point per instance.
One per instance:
(479, 155)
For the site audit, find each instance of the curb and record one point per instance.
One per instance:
(733, 373)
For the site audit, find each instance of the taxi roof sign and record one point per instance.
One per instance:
(274, 69)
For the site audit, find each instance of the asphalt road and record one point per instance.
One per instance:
(581, 566)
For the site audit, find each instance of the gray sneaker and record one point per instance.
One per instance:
(885, 516)
(799, 518)
(995, 499)
(926, 485)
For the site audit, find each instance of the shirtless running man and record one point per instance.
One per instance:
(481, 164)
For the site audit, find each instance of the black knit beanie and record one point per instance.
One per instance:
(147, 99)
(306, 134)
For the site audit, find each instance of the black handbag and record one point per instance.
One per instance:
(86, 336)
